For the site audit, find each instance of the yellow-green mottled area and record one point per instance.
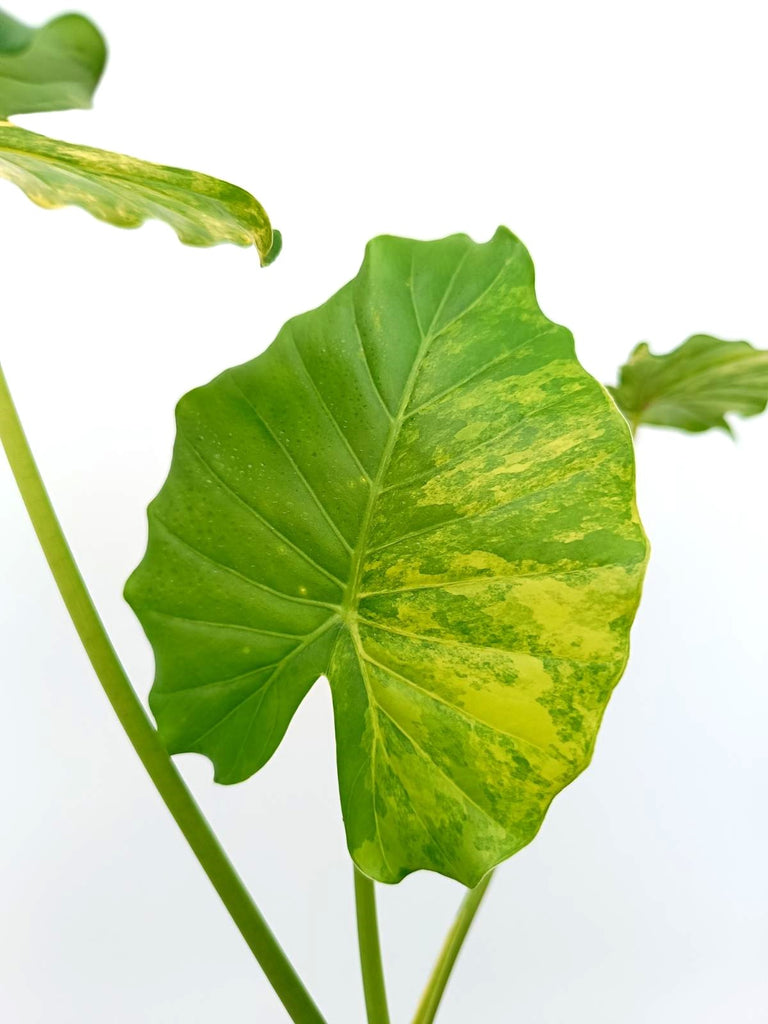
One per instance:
(418, 492)
(125, 192)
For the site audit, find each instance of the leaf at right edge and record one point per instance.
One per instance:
(123, 191)
(419, 492)
(694, 386)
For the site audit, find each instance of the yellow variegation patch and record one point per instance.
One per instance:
(419, 492)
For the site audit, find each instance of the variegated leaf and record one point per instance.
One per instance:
(125, 192)
(418, 492)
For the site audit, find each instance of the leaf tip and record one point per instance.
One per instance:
(274, 251)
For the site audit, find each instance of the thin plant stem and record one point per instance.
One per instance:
(140, 730)
(433, 993)
(370, 950)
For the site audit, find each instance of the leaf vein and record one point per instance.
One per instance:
(472, 517)
(491, 364)
(296, 467)
(462, 712)
(222, 625)
(324, 405)
(236, 572)
(268, 681)
(441, 771)
(376, 386)
(262, 519)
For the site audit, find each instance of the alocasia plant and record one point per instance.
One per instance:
(416, 490)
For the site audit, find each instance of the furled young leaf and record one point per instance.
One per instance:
(56, 67)
(126, 192)
(694, 386)
(419, 492)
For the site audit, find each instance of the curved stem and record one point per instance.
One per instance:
(370, 950)
(433, 993)
(140, 730)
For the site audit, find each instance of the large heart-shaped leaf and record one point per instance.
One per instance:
(419, 492)
(125, 192)
(694, 386)
(56, 67)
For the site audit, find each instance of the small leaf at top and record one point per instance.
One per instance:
(694, 386)
(125, 192)
(419, 492)
(56, 67)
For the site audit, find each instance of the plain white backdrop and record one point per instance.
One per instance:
(625, 144)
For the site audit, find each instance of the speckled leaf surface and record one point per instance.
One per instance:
(125, 192)
(418, 492)
(56, 67)
(695, 386)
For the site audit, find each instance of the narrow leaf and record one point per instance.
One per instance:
(125, 192)
(418, 492)
(56, 67)
(694, 386)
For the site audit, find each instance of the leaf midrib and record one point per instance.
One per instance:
(350, 597)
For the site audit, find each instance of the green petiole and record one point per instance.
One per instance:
(433, 993)
(140, 730)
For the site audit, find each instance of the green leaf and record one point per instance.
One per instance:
(419, 492)
(125, 192)
(56, 67)
(694, 386)
(14, 36)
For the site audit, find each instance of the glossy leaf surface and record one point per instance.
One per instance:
(56, 67)
(418, 492)
(695, 386)
(125, 192)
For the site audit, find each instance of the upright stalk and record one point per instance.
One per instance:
(370, 950)
(433, 993)
(140, 730)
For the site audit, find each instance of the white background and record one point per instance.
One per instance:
(625, 144)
